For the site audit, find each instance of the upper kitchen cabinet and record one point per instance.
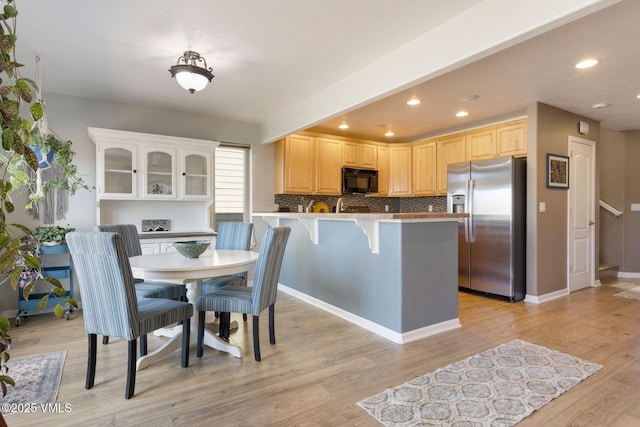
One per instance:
(383, 171)
(140, 166)
(328, 163)
(512, 139)
(482, 144)
(424, 169)
(295, 165)
(505, 139)
(452, 149)
(360, 155)
(400, 175)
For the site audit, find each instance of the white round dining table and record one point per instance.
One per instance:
(173, 267)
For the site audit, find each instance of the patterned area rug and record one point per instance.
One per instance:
(633, 293)
(497, 387)
(37, 380)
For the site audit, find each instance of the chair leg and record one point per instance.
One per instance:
(91, 360)
(131, 370)
(225, 322)
(105, 340)
(272, 323)
(200, 343)
(256, 339)
(143, 345)
(186, 323)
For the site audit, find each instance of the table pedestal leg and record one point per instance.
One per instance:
(211, 338)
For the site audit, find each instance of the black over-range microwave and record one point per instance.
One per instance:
(359, 181)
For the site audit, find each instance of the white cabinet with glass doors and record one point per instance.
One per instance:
(139, 166)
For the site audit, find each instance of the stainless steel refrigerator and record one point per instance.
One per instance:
(492, 240)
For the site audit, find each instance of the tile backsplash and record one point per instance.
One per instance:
(375, 204)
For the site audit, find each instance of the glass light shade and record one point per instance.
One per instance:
(192, 82)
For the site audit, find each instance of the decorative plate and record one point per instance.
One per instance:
(321, 207)
(159, 188)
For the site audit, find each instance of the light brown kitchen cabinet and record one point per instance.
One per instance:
(308, 164)
(452, 149)
(360, 155)
(295, 165)
(512, 139)
(424, 168)
(328, 165)
(400, 175)
(483, 144)
(383, 171)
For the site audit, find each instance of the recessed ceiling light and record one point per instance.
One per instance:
(389, 133)
(413, 101)
(462, 114)
(470, 98)
(587, 63)
(344, 126)
(638, 96)
(600, 105)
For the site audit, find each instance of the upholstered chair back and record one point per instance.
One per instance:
(109, 301)
(267, 271)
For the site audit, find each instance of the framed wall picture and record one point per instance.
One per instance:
(557, 171)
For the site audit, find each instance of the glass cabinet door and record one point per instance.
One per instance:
(195, 176)
(159, 174)
(119, 178)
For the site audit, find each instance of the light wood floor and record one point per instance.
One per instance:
(322, 365)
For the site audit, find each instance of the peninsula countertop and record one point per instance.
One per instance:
(380, 216)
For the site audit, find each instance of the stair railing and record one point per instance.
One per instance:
(616, 213)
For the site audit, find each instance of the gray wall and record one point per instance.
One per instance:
(549, 261)
(612, 191)
(631, 227)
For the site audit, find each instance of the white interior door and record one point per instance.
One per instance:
(581, 262)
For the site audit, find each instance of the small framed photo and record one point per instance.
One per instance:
(557, 171)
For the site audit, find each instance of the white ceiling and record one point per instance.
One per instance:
(270, 55)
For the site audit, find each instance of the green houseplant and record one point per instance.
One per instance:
(20, 129)
(51, 234)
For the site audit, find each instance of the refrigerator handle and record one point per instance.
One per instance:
(470, 232)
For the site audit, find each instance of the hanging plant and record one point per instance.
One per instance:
(19, 264)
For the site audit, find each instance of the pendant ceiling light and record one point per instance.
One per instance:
(188, 74)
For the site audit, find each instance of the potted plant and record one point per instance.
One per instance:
(19, 264)
(49, 235)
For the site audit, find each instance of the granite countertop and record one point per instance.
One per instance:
(369, 215)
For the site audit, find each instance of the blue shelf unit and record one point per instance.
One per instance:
(63, 271)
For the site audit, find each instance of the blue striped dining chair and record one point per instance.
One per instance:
(231, 235)
(129, 234)
(249, 300)
(110, 306)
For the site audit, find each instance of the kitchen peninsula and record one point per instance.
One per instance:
(392, 273)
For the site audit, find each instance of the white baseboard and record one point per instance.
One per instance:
(538, 299)
(396, 337)
(625, 275)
